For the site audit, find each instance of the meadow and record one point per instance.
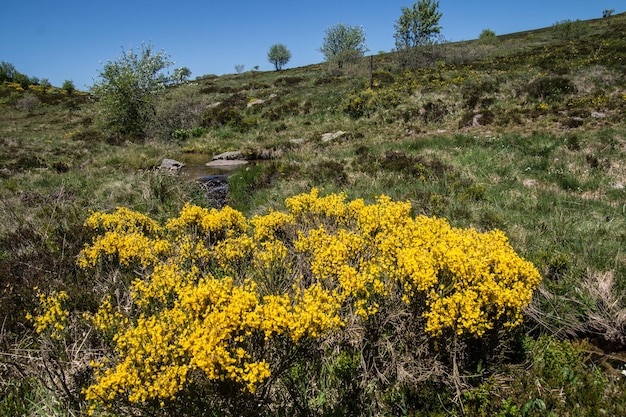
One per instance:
(457, 249)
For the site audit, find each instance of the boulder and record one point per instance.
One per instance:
(171, 165)
(229, 155)
(226, 163)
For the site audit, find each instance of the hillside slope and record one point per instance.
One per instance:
(524, 134)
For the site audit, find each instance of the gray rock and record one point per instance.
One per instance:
(327, 137)
(229, 155)
(297, 141)
(255, 102)
(171, 165)
(598, 115)
(226, 163)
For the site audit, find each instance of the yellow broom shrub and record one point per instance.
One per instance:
(207, 298)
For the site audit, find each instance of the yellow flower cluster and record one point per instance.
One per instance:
(107, 320)
(123, 220)
(211, 224)
(128, 236)
(467, 281)
(15, 86)
(312, 208)
(51, 317)
(203, 303)
(207, 329)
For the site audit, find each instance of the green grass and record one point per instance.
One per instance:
(539, 166)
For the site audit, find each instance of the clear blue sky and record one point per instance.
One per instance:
(70, 39)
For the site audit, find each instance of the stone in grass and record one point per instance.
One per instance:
(255, 102)
(171, 165)
(226, 163)
(229, 155)
(327, 137)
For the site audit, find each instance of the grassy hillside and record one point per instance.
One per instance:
(525, 133)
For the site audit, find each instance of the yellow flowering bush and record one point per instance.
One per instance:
(221, 299)
(52, 318)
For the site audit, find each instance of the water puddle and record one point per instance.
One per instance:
(195, 166)
(213, 180)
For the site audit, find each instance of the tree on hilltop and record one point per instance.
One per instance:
(180, 75)
(278, 55)
(7, 71)
(418, 25)
(343, 43)
(68, 86)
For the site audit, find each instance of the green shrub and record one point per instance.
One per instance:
(567, 374)
(567, 30)
(128, 87)
(488, 37)
(383, 78)
(473, 91)
(368, 102)
(289, 81)
(550, 87)
(435, 111)
(68, 86)
(219, 116)
(290, 107)
(328, 171)
(229, 112)
(181, 109)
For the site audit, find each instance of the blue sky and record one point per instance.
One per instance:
(71, 39)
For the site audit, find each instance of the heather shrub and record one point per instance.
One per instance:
(28, 102)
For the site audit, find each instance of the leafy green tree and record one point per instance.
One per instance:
(343, 43)
(278, 55)
(7, 71)
(488, 36)
(22, 79)
(128, 87)
(45, 84)
(418, 25)
(180, 75)
(68, 86)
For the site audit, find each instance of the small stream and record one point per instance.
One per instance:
(214, 181)
(195, 166)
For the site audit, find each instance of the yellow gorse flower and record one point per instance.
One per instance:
(52, 317)
(203, 303)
